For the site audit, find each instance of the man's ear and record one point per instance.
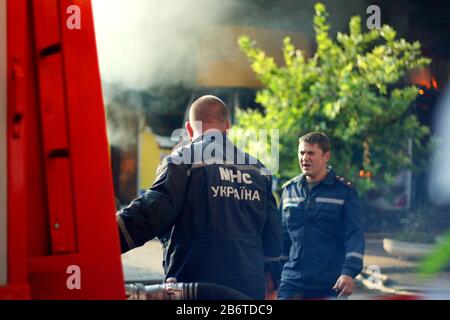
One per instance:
(327, 156)
(189, 129)
(227, 125)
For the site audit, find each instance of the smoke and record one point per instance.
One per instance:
(123, 126)
(146, 43)
(153, 43)
(152, 53)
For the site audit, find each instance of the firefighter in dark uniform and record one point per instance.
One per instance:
(212, 208)
(323, 241)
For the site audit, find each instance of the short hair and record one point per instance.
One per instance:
(319, 138)
(209, 109)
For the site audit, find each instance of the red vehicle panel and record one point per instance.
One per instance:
(60, 202)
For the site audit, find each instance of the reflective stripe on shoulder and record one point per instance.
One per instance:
(330, 200)
(247, 167)
(201, 165)
(125, 233)
(221, 162)
(293, 180)
(355, 254)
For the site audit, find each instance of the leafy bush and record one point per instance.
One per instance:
(353, 89)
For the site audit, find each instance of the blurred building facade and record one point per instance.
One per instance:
(220, 68)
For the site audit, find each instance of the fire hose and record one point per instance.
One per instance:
(171, 290)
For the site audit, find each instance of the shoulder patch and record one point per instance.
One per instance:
(344, 181)
(289, 182)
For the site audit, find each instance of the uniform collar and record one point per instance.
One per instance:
(210, 135)
(329, 179)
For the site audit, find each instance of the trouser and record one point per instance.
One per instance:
(285, 293)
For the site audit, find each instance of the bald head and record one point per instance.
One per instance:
(209, 109)
(211, 112)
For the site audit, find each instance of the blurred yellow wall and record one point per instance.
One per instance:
(220, 62)
(149, 158)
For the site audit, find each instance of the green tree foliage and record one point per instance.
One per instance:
(353, 89)
(439, 259)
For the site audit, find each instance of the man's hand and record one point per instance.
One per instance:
(344, 285)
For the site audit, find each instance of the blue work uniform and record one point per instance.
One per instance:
(212, 208)
(322, 233)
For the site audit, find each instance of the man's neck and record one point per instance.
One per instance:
(205, 132)
(317, 178)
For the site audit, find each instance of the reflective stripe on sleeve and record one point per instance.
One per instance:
(330, 200)
(354, 254)
(125, 233)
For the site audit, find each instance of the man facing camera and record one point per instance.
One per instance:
(323, 241)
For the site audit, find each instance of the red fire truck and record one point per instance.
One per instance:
(58, 235)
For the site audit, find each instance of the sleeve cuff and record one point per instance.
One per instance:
(351, 272)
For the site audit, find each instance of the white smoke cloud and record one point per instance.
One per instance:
(142, 43)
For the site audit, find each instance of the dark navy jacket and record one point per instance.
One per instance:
(322, 232)
(215, 215)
